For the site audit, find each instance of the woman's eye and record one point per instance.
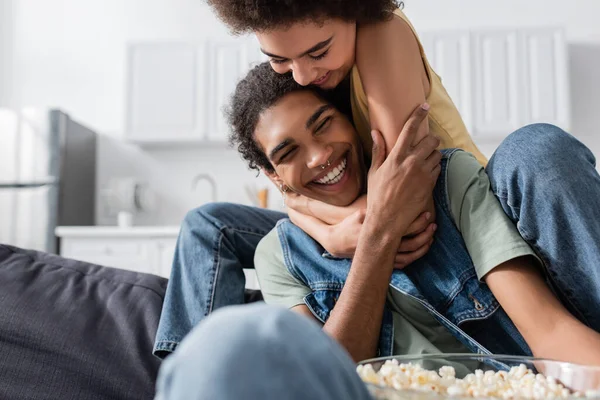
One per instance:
(320, 56)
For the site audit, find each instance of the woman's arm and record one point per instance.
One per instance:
(546, 325)
(327, 213)
(341, 239)
(393, 76)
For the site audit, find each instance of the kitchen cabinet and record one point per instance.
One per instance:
(176, 92)
(500, 80)
(141, 249)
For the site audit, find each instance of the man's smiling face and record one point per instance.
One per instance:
(313, 148)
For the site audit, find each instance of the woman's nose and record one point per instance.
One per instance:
(303, 74)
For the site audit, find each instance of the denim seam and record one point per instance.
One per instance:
(325, 285)
(221, 226)
(217, 263)
(505, 196)
(529, 239)
(444, 205)
(459, 288)
(470, 316)
(545, 265)
(289, 265)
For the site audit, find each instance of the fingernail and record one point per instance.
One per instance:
(434, 227)
(425, 106)
(427, 216)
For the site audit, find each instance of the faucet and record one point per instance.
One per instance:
(207, 177)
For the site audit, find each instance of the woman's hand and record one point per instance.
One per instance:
(343, 237)
(417, 242)
(298, 203)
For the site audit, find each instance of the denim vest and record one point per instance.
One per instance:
(443, 281)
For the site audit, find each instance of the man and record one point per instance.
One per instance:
(436, 304)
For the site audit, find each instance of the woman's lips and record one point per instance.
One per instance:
(321, 80)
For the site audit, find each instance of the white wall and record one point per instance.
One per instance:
(71, 53)
(6, 41)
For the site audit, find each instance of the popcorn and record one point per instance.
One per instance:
(519, 382)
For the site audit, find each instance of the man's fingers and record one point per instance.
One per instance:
(378, 151)
(434, 160)
(410, 129)
(424, 149)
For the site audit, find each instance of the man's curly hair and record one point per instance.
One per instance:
(253, 95)
(243, 16)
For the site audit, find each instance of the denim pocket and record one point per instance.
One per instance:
(321, 302)
(474, 301)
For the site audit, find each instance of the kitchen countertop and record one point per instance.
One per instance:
(116, 231)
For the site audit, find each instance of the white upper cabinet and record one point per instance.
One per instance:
(176, 93)
(162, 89)
(449, 54)
(545, 75)
(500, 80)
(498, 99)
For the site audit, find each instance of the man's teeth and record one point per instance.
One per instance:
(335, 175)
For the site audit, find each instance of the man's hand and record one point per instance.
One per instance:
(400, 186)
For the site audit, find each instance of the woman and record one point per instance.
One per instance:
(217, 240)
(368, 53)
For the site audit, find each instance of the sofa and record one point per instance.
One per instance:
(73, 330)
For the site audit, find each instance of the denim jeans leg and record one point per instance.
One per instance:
(548, 185)
(259, 352)
(215, 243)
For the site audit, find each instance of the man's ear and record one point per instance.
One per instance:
(274, 177)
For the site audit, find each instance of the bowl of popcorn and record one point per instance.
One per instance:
(468, 376)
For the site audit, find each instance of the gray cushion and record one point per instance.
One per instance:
(72, 330)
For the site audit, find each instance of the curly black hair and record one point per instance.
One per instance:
(243, 16)
(254, 94)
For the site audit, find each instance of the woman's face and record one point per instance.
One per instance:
(320, 54)
(313, 148)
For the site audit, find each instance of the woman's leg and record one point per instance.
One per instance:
(548, 185)
(259, 352)
(215, 243)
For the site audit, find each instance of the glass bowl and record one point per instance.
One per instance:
(574, 377)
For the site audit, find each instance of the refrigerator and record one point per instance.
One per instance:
(47, 176)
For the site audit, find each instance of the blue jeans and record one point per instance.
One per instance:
(547, 183)
(259, 352)
(544, 178)
(215, 243)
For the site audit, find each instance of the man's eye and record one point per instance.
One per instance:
(276, 61)
(323, 123)
(286, 155)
